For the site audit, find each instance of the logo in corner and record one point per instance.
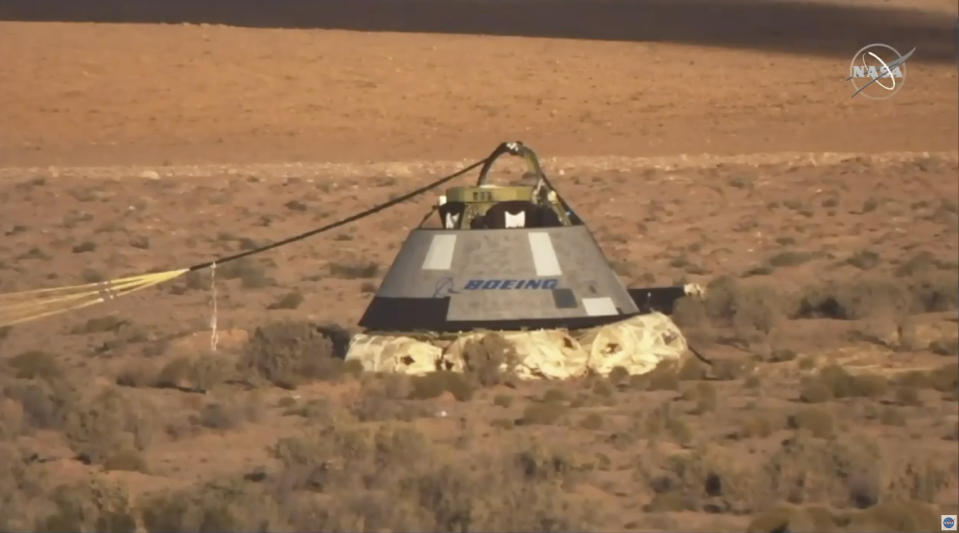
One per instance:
(878, 71)
(444, 288)
(948, 522)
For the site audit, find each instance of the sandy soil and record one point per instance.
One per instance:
(136, 147)
(157, 94)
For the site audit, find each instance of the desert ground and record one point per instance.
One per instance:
(714, 143)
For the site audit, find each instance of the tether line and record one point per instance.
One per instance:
(25, 306)
(341, 222)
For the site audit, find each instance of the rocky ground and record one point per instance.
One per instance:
(828, 245)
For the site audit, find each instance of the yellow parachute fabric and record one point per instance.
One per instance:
(24, 306)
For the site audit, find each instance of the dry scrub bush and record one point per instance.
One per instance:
(35, 364)
(199, 373)
(790, 258)
(137, 373)
(11, 419)
(224, 505)
(877, 296)
(703, 396)
(290, 300)
(854, 300)
(354, 269)
(251, 273)
(864, 260)
(384, 397)
(817, 422)
(945, 346)
(757, 425)
(542, 413)
(618, 375)
(833, 381)
(502, 400)
(126, 459)
(604, 391)
(943, 379)
(491, 359)
(920, 480)
(354, 477)
(664, 377)
(907, 396)
(592, 422)
(704, 479)
(100, 325)
(937, 291)
(290, 353)
(92, 506)
(783, 518)
(804, 469)
(227, 415)
(434, 384)
(663, 420)
(895, 516)
(921, 264)
(107, 425)
(692, 370)
(892, 417)
(20, 485)
(752, 312)
(45, 404)
(555, 395)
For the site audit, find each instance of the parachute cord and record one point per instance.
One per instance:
(26, 306)
(214, 335)
(698, 355)
(343, 221)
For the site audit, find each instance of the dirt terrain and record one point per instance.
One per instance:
(826, 229)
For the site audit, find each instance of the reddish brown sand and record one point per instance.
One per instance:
(127, 148)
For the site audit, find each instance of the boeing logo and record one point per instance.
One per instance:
(507, 284)
(445, 287)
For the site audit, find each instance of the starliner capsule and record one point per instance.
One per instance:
(507, 258)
